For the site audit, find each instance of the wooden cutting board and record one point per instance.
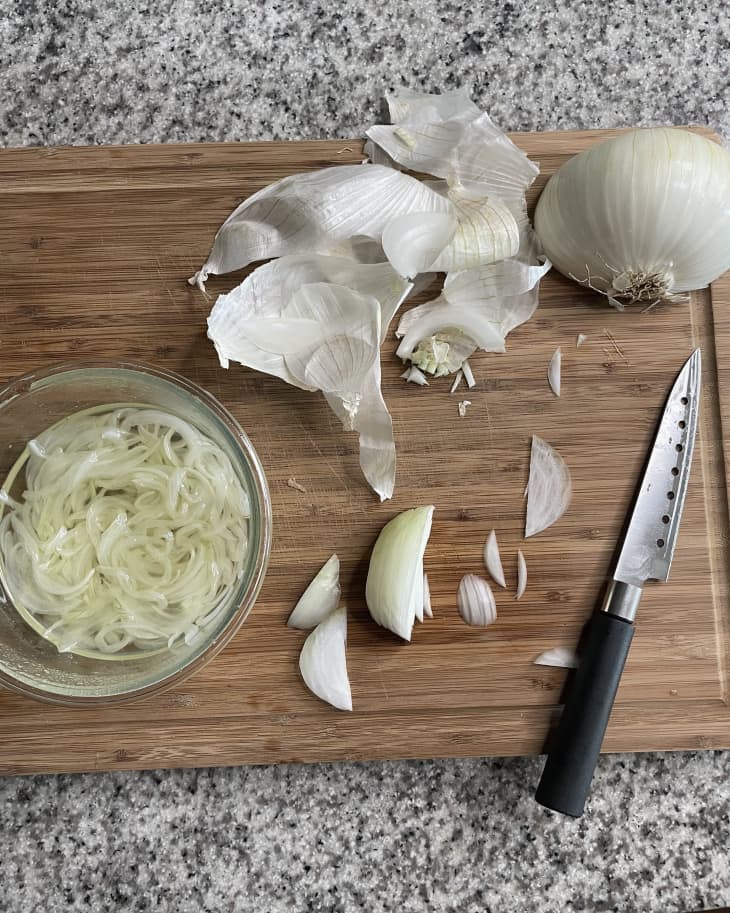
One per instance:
(96, 245)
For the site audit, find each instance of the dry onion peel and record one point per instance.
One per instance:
(492, 560)
(394, 588)
(320, 598)
(475, 601)
(447, 135)
(318, 211)
(321, 336)
(323, 661)
(549, 487)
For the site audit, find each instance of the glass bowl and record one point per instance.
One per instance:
(32, 665)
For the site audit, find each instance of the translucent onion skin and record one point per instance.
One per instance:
(132, 529)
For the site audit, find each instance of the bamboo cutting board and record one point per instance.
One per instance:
(96, 245)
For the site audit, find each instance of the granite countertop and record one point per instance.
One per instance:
(417, 836)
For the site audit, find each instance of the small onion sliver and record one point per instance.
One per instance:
(521, 575)
(561, 657)
(492, 559)
(554, 369)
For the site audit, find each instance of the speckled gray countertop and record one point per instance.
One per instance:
(425, 836)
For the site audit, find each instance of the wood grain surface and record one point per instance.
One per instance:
(96, 245)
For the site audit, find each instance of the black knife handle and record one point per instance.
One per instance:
(566, 777)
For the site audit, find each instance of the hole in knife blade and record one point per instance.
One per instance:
(684, 401)
(679, 448)
(675, 471)
(660, 543)
(665, 518)
(670, 495)
(683, 424)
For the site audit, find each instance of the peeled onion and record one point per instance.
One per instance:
(642, 217)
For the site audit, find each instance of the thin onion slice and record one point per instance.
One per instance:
(475, 601)
(468, 374)
(548, 489)
(492, 560)
(580, 339)
(457, 380)
(521, 575)
(554, 371)
(132, 530)
(320, 598)
(323, 661)
(562, 657)
(427, 610)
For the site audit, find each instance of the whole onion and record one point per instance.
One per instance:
(643, 217)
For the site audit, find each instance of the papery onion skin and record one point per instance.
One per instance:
(640, 218)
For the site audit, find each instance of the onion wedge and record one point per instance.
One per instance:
(323, 662)
(320, 598)
(394, 588)
(548, 489)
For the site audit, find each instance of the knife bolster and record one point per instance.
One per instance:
(622, 600)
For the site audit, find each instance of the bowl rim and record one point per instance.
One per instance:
(25, 384)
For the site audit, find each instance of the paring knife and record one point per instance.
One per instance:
(646, 554)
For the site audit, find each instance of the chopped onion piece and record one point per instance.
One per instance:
(468, 374)
(475, 601)
(463, 407)
(427, 610)
(297, 486)
(415, 376)
(580, 339)
(319, 599)
(563, 657)
(457, 380)
(554, 372)
(323, 662)
(549, 487)
(492, 560)
(394, 588)
(521, 575)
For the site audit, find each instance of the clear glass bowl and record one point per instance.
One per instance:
(29, 663)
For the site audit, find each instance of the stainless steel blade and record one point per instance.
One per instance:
(651, 536)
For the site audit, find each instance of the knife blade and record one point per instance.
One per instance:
(645, 554)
